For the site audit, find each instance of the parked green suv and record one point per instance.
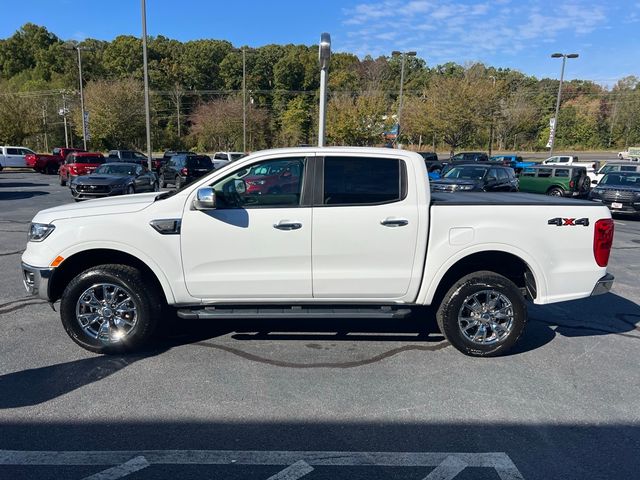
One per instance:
(559, 181)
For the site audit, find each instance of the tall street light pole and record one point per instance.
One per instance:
(554, 129)
(404, 55)
(244, 100)
(324, 56)
(146, 82)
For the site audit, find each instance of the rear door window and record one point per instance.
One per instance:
(13, 151)
(561, 172)
(544, 172)
(362, 181)
(201, 161)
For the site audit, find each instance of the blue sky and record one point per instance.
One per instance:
(504, 33)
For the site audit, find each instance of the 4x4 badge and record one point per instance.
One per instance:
(563, 222)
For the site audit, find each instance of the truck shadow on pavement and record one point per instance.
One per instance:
(604, 315)
(22, 184)
(21, 195)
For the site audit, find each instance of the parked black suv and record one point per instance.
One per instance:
(479, 178)
(620, 191)
(469, 157)
(184, 168)
(130, 156)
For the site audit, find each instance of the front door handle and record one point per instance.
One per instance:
(394, 222)
(287, 225)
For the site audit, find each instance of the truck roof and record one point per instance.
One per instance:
(350, 150)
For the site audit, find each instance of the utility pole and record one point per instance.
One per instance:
(492, 113)
(400, 98)
(146, 82)
(554, 128)
(44, 123)
(84, 113)
(63, 112)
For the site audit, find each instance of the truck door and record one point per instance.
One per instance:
(256, 243)
(364, 229)
(14, 158)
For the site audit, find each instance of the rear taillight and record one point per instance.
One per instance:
(602, 241)
(572, 184)
(184, 172)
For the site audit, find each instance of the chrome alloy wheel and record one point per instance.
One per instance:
(106, 312)
(486, 317)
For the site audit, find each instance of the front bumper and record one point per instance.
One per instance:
(603, 285)
(36, 280)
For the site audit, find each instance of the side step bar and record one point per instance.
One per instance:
(314, 312)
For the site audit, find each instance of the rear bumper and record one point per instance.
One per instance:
(603, 285)
(36, 280)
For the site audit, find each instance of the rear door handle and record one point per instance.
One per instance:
(287, 225)
(394, 222)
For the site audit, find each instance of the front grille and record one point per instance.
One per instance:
(93, 188)
(618, 196)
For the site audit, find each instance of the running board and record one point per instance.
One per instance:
(248, 313)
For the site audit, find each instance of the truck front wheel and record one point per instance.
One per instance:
(110, 309)
(483, 314)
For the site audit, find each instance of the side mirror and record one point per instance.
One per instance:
(205, 199)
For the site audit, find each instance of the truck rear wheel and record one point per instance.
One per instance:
(555, 192)
(110, 309)
(483, 314)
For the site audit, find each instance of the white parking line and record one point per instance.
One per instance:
(499, 461)
(449, 468)
(294, 472)
(133, 465)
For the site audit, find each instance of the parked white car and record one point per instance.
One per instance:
(573, 160)
(13, 156)
(632, 154)
(614, 167)
(316, 233)
(221, 159)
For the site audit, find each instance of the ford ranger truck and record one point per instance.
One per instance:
(360, 236)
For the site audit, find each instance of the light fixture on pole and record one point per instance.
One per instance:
(404, 56)
(145, 69)
(554, 125)
(324, 55)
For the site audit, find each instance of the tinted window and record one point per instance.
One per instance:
(467, 173)
(13, 151)
(200, 161)
(271, 183)
(561, 172)
(625, 168)
(220, 156)
(502, 174)
(85, 159)
(544, 172)
(563, 160)
(358, 181)
(237, 156)
(112, 169)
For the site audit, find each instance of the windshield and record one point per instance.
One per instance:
(268, 169)
(466, 173)
(621, 179)
(111, 169)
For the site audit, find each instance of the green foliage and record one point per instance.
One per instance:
(458, 105)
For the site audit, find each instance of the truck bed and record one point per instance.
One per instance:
(505, 198)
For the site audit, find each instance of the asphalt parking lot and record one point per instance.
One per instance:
(318, 400)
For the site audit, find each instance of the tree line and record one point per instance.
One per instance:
(197, 99)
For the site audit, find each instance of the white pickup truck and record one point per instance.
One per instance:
(316, 233)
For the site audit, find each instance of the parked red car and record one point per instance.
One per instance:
(45, 163)
(274, 178)
(79, 163)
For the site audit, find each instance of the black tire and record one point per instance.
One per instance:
(147, 301)
(275, 191)
(555, 192)
(178, 182)
(1, 167)
(52, 169)
(131, 190)
(162, 182)
(450, 314)
(63, 182)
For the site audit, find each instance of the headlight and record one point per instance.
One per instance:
(39, 231)
(464, 187)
